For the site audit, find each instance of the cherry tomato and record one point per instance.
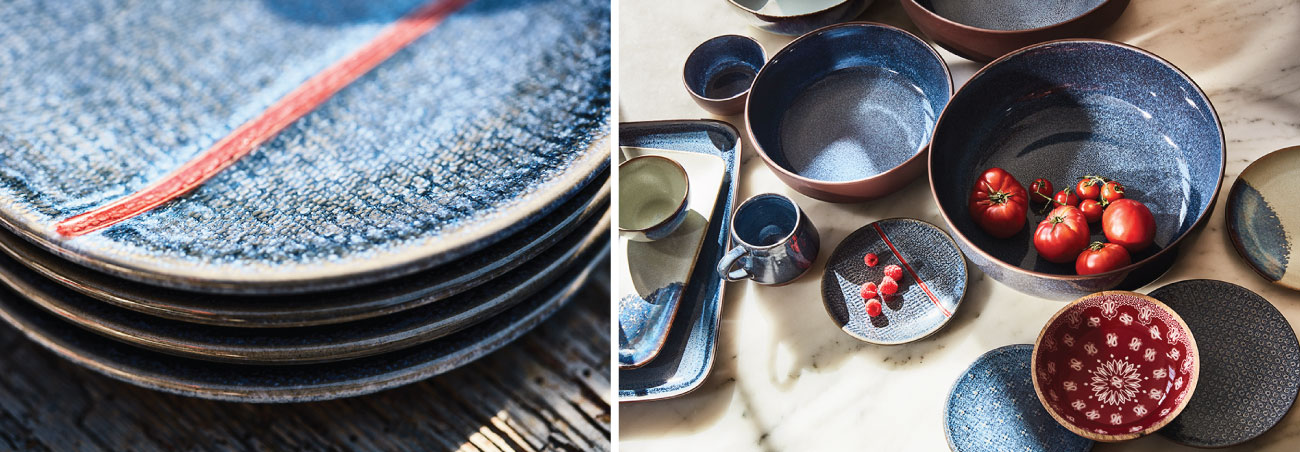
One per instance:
(1062, 235)
(1089, 187)
(1091, 209)
(1129, 223)
(998, 203)
(1101, 257)
(1066, 198)
(1040, 192)
(1112, 191)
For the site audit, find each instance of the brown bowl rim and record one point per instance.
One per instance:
(952, 23)
(761, 51)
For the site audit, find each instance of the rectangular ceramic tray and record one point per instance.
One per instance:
(687, 355)
(653, 274)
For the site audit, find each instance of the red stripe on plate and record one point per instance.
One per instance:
(918, 280)
(250, 135)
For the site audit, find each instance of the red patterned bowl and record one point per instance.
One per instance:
(1114, 366)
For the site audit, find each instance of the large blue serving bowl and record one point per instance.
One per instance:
(1064, 109)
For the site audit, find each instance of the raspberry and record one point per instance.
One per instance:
(868, 291)
(895, 272)
(870, 259)
(873, 308)
(888, 286)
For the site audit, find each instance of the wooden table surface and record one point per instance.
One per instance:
(550, 390)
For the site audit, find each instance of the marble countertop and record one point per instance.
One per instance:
(787, 379)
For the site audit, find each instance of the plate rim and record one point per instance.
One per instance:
(1230, 211)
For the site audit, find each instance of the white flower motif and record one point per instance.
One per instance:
(1094, 322)
(1112, 340)
(1149, 355)
(1158, 374)
(1174, 335)
(1108, 309)
(1187, 364)
(1126, 319)
(1051, 367)
(1070, 386)
(1173, 354)
(1155, 332)
(1068, 340)
(1069, 418)
(1072, 319)
(1092, 415)
(1043, 375)
(1140, 410)
(1116, 419)
(1091, 349)
(1049, 343)
(1115, 382)
(1178, 384)
(1135, 344)
(1135, 428)
(1155, 394)
(1076, 364)
(1144, 315)
(1164, 412)
(1079, 405)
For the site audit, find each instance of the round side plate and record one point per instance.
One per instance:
(1263, 212)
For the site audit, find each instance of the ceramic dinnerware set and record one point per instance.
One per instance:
(356, 250)
(854, 111)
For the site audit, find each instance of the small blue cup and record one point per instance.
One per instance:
(776, 242)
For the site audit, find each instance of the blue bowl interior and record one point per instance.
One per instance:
(723, 67)
(1073, 108)
(1010, 14)
(848, 102)
(766, 220)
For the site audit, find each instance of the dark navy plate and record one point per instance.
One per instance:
(474, 131)
(687, 355)
(321, 308)
(993, 407)
(933, 284)
(296, 383)
(308, 344)
(1263, 211)
(1250, 363)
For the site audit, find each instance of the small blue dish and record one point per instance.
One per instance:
(993, 407)
(933, 283)
(686, 357)
(1263, 211)
(844, 113)
(1065, 109)
(719, 72)
(796, 17)
(1250, 363)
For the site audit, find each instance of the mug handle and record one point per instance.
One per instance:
(724, 265)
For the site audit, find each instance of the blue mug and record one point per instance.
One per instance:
(776, 242)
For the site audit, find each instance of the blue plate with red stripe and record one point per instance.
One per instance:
(929, 293)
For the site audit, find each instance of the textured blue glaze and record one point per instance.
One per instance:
(1259, 231)
(848, 102)
(780, 243)
(473, 131)
(634, 321)
(993, 407)
(1010, 14)
(723, 67)
(1250, 363)
(795, 25)
(688, 353)
(908, 315)
(1067, 109)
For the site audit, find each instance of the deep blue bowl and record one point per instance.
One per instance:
(796, 17)
(844, 113)
(1065, 109)
(719, 72)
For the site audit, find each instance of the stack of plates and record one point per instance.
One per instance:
(430, 212)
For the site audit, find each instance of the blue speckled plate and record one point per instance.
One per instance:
(993, 407)
(1250, 363)
(474, 131)
(1263, 216)
(687, 355)
(933, 284)
(296, 383)
(321, 308)
(309, 344)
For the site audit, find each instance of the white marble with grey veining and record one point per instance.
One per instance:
(787, 379)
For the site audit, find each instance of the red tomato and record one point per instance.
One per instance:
(1066, 198)
(998, 203)
(1040, 192)
(1112, 191)
(1062, 235)
(1101, 257)
(1129, 223)
(1090, 187)
(1091, 209)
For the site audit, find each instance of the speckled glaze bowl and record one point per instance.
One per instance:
(1114, 366)
(796, 17)
(719, 72)
(982, 31)
(844, 113)
(652, 197)
(1064, 109)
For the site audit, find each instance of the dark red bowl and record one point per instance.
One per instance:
(1114, 366)
(980, 40)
